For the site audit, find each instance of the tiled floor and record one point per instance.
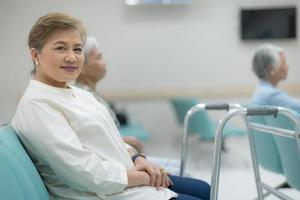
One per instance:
(236, 179)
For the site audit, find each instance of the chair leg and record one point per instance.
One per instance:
(282, 185)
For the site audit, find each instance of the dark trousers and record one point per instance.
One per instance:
(190, 189)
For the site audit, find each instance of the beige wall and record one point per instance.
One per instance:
(150, 50)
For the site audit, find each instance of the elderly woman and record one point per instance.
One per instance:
(71, 137)
(270, 66)
(94, 70)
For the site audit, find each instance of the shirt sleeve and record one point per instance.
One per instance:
(50, 137)
(131, 150)
(283, 99)
(127, 146)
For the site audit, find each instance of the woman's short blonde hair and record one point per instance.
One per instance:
(48, 24)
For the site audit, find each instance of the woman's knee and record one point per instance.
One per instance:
(185, 197)
(190, 186)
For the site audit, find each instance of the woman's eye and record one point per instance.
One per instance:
(60, 48)
(79, 50)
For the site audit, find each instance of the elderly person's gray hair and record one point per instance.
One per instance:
(266, 57)
(90, 44)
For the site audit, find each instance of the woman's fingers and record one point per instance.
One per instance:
(167, 180)
(158, 182)
(164, 179)
(158, 175)
(170, 183)
(152, 172)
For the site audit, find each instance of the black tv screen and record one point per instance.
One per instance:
(271, 23)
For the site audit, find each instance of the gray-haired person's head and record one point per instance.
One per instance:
(90, 44)
(266, 58)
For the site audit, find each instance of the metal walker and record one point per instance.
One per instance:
(190, 113)
(245, 112)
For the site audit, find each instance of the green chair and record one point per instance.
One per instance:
(288, 150)
(135, 129)
(200, 123)
(19, 178)
(267, 153)
(265, 147)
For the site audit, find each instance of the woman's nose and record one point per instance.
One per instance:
(71, 57)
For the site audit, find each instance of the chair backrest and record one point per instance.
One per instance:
(19, 178)
(199, 123)
(135, 129)
(265, 147)
(288, 150)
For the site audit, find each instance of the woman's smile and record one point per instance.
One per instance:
(69, 68)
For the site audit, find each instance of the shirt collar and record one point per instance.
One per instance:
(266, 83)
(85, 87)
(44, 87)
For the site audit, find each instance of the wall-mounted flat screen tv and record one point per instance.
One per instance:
(270, 23)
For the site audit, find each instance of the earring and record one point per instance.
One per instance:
(36, 62)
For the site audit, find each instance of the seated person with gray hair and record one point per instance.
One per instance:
(94, 70)
(270, 66)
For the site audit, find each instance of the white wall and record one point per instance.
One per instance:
(146, 47)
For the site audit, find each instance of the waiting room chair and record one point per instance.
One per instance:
(19, 177)
(136, 130)
(265, 147)
(267, 153)
(200, 123)
(288, 150)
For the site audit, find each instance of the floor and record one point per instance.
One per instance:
(236, 174)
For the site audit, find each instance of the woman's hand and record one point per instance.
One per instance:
(137, 178)
(166, 178)
(158, 176)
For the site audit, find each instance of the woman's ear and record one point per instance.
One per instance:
(271, 70)
(34, 55)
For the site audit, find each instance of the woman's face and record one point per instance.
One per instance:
(60, 59)
(281, 71)
(95, 67)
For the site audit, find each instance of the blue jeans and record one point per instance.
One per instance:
(189, 188)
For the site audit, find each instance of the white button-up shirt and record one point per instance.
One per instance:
(76, 146)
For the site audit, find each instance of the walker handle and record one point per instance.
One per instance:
(220, 106)
(262, 110)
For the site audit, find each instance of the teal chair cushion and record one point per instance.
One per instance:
(265, 148)
(288, 150)
(19, 178)
(136, 130)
